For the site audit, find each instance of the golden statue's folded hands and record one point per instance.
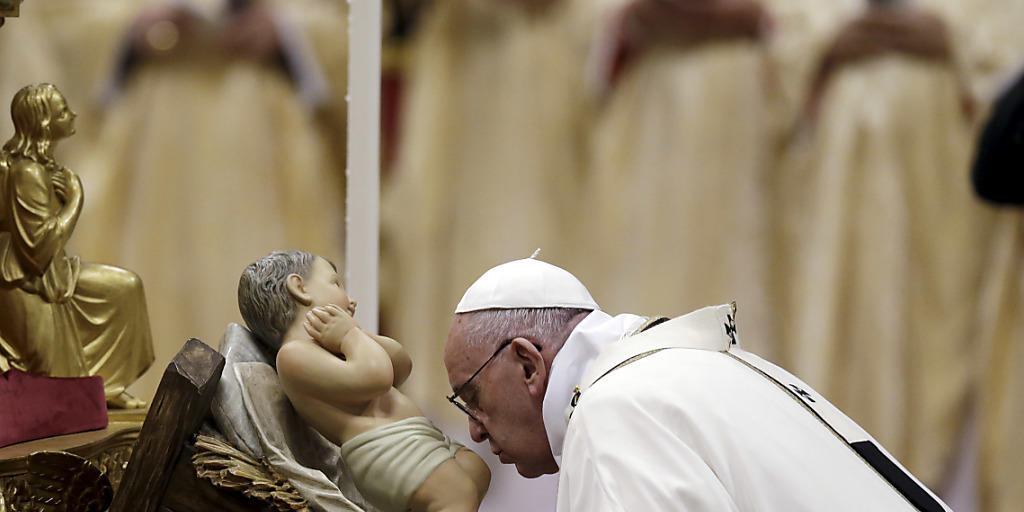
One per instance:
(58, 316)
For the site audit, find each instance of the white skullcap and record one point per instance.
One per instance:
(526, 283)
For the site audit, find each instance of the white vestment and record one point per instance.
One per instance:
(699, 428)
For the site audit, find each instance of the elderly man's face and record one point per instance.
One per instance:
(504, 399)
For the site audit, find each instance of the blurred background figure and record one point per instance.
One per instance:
(214, 139)
(401, 19)
(998, 174)
(680, 162)
(489, 160)
(884, 242)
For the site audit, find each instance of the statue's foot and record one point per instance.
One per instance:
(124, 400)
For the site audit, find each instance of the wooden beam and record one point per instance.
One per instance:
(182, 401)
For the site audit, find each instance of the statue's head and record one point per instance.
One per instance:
(41, 116)
(264, 300)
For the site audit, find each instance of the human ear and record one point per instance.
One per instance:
(531, 361)
(297, 289)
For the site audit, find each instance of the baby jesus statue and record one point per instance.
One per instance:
(342, 381)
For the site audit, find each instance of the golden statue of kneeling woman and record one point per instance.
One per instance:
(58, 316)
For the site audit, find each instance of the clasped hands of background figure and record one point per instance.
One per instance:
(247, 31)
(693, 21)
(903, 29)
(645, 23)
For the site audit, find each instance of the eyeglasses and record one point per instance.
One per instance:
(454, 397)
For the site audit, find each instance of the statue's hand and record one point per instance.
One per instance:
(59, 180)
(328, 325)
(66, 185)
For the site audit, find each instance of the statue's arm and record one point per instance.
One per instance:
(309, 369)
(41, 234)
(400, 360)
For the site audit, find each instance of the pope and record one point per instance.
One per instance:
(644, 413)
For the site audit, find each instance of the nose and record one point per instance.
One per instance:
(477, 431)
(352, 306)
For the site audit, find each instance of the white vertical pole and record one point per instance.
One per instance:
(362, 204)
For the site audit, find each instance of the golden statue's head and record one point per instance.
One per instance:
(41, 117)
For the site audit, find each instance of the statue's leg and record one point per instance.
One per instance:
(35, 337)
(14, 346)
(109, 312)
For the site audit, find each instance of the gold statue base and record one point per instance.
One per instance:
(108, 448)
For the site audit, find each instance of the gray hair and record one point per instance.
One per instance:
(548, 327)
(263, 298)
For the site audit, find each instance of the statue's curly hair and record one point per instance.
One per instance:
(32, 113)
(263, 299)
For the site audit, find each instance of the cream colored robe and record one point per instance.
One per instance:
(681, 181)
(1001, 383)
(489, 163)
(885, 250)
(999, 351)
(202, 165)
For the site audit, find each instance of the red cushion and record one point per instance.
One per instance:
(34, 407)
